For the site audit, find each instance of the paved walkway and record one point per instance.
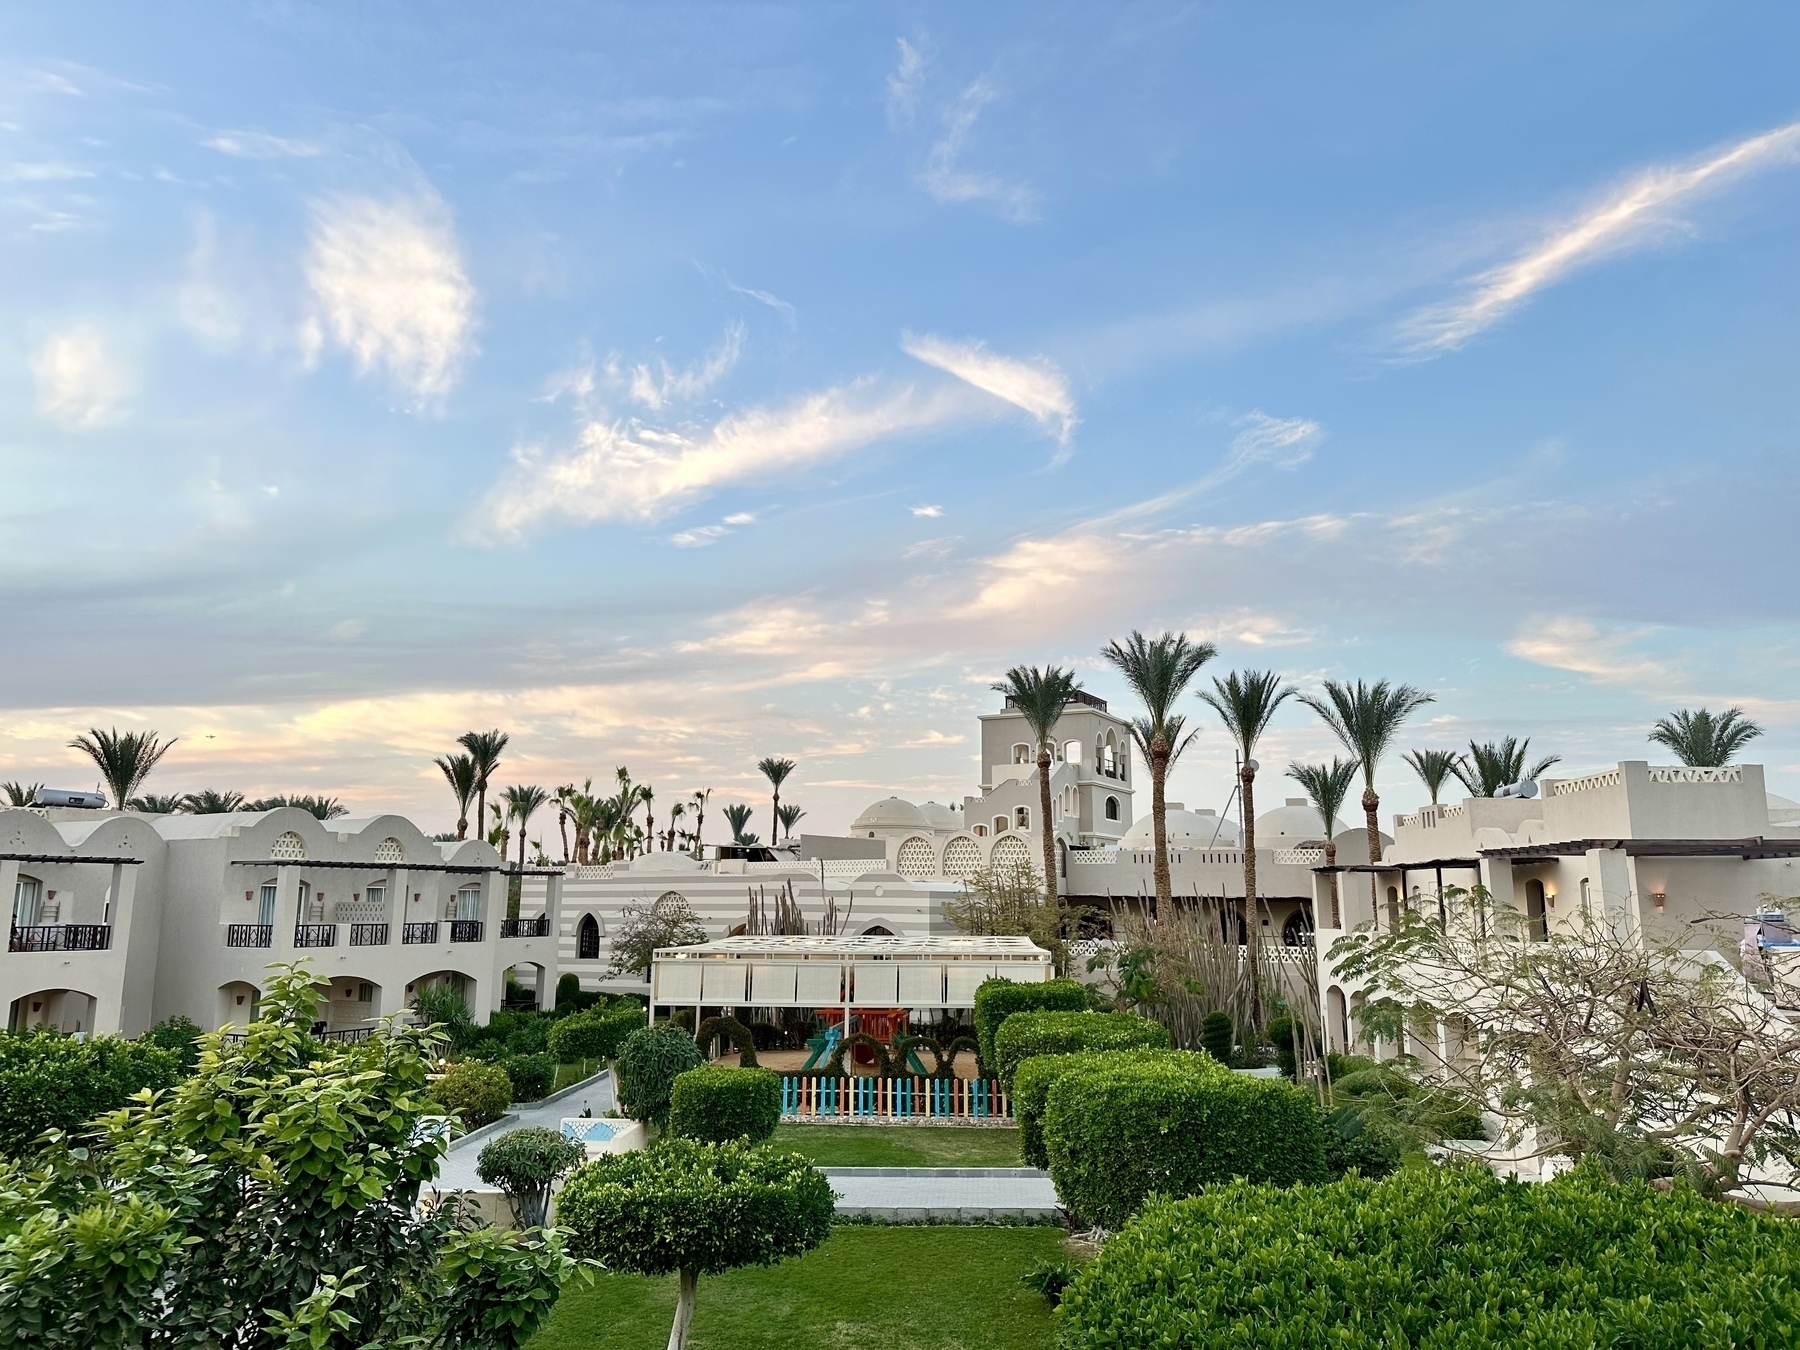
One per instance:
(457, 1169)
(944, 1194)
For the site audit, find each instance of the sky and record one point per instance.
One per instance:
(671, 385)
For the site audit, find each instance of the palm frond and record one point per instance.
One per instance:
(1326, 786)
(1702, 740)
(1366, 717)
(1040, 694)
(1246, 701)
(1159, 671)
(124, 759)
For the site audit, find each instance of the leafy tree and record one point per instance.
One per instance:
(650, 1059)
(124, 759)
(776, 769)
(665, 922)
(693, 1209)
(1702, 740)
(789, 816)
(1040, 695)
(1434, 768)
(1326, 786)
(459, 772)
(1491, 766)
(737, 815)
(568, 989)
(526, 1164)
(54, 1082)
(1006, 900)
(208, 802)
(269, 1199)
(181, 1037)
(21, 794)
(1159, 670)
(485, 749)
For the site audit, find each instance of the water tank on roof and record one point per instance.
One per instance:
(91, 801)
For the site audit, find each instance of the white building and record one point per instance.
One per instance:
(121, 920)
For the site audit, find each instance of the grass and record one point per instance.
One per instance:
(902, 1145)
(574, 1072)
(896, 1288)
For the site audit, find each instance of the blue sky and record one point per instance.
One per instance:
(672, 385)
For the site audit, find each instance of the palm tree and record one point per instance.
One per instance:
(208, 802)
(1041, 696)
(153, 804)
(563, 796)
(1703, 741)
(1246, 702)
(737, 815)
(776, 770)
(647, 795)
(325, 808)
(584, 811)
(1366, 718)
(124, 759)
(24, 794)
(701, 797)
(1490, 767)
(1159, 670)
(1434, 768)
(459, 772)
(676, 811)
(484, 748)
(790, 817)
(1326, 786)
(498, 835)
(522, 802)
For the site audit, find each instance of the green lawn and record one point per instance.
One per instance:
(902, 1145)
(574, 1072)
(892, 1288)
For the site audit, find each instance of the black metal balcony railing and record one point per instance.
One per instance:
(465, 930)
(61, 937)
(368, 934)
(415, 933)
(536, 927)
(315, 935)
(348, 1035)
(249, 934)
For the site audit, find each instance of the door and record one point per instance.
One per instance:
(27, 893)
(1536, 926)
(265, 904)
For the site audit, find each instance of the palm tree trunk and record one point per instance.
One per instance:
(1159, 771)
(684, 1310)
(1370, 805)
(462, 823)
(562, 827)
(775, 819)
(699, 828)
(1337, 917)
(1247, 908)
(1050, 888)
(481, 804)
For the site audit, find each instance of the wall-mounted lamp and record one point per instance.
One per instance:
(1659, 899)
(1550, 897)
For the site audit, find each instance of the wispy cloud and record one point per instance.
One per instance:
(1636, 214)
(81, 382)
(654, 389)
(1280, 442)
(1610, 656)
(387, 276)
(260, 145)
(627, 471)
(929, 512)
(1035, 386)
(903, 83)
(945, 177)
(702, 535)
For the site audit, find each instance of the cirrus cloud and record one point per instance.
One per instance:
(1035, 386)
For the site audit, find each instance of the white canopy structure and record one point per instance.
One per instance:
(844, 972)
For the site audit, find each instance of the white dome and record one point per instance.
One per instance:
(1782, 811)
(1185, 829)
(890, 815)
(942, 819)
(1290, 825)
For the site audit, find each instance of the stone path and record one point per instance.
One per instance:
(944, 1194)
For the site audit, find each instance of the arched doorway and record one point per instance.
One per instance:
(587, 939)
(1338, 1020)
(454, 982)
(64, 1010)
(238, 1004)
(350, 1007)
(1298, 930)
(1536, 924)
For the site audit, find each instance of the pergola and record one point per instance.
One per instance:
(841, 972)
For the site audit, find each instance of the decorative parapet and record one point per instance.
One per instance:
(1594, 781)
(1300, 857)
(1688, 773)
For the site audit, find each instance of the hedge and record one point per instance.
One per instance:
(596, 1034)
(1031, 1084)
(1066, 1033)
(997, 999)
(532, 1076)
(477, 1092)
(1454, 1259)
(649, 1061)
(50, 1081)
(714, 1103)
(1120, 1130)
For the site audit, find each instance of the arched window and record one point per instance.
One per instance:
(999, 824)
(1021, 817)
(390, 850)
(876, 930)
(1072, 752)
(1011, 851)
(1022, 754)
(981, 832)
(1112, 808)
(962, 858)
(288, 845)
(915, 858)
(1298, 930)
(587, 939)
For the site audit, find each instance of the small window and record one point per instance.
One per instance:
(587, 939)
(999, 824)
(376, 895)
(27, 892)
(365, 992)
(1022, 754)
(265, 904)
(390, 850)
(1112, 808)
(1072, 752)
(981, 832)
(1022, 817)
(288, 845)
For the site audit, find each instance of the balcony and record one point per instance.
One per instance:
(538, 927)
(368, 934)
(465, 930)
(315, 935)
(249, 934)
(415, 934)
(62, 937)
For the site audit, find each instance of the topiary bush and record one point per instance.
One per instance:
(649, 1062)
(1119, 1130)
(49, 1081)
(526, 1164)
(1215, 1036)
(568, 989)
(714, 1103)
(477, 1093)
(997, 999)
(695, 1209)
(532, 1076)
(596, 1034)
(1450, 1258)
(1023, 1035)
(1031, 1085)
(732, 1030)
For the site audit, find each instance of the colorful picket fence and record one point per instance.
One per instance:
(820, 1095)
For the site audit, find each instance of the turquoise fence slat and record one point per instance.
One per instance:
(893, 1098)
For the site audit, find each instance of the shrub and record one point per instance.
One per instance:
(568, 988)
(650, 1060)
(445, 1008)
(715, 1103)
(732, 1030)
(532, 1076)
(54, 1082)
(1215, 1036)
(1065, 1033)
(1031, 1085)
(695, 1209)
(525, 1164)
(997, 999)
(180, 1036)
(594, 1035)
(1421, 1112)
(477, 1093)
(1281, 1035)
(1361, 1141)
(533, 1038)
(1449, 1258)
(1119, 1130)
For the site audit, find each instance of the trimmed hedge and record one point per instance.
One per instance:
(1023, 1035)
(1120, 1130)
(1454, 1259)
(477, 1092)
(714, 1103)
(1031, 1085)
(532, 1076)
(649, 1062)
(997, 999)
(49, 1081)
(595, 1034)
